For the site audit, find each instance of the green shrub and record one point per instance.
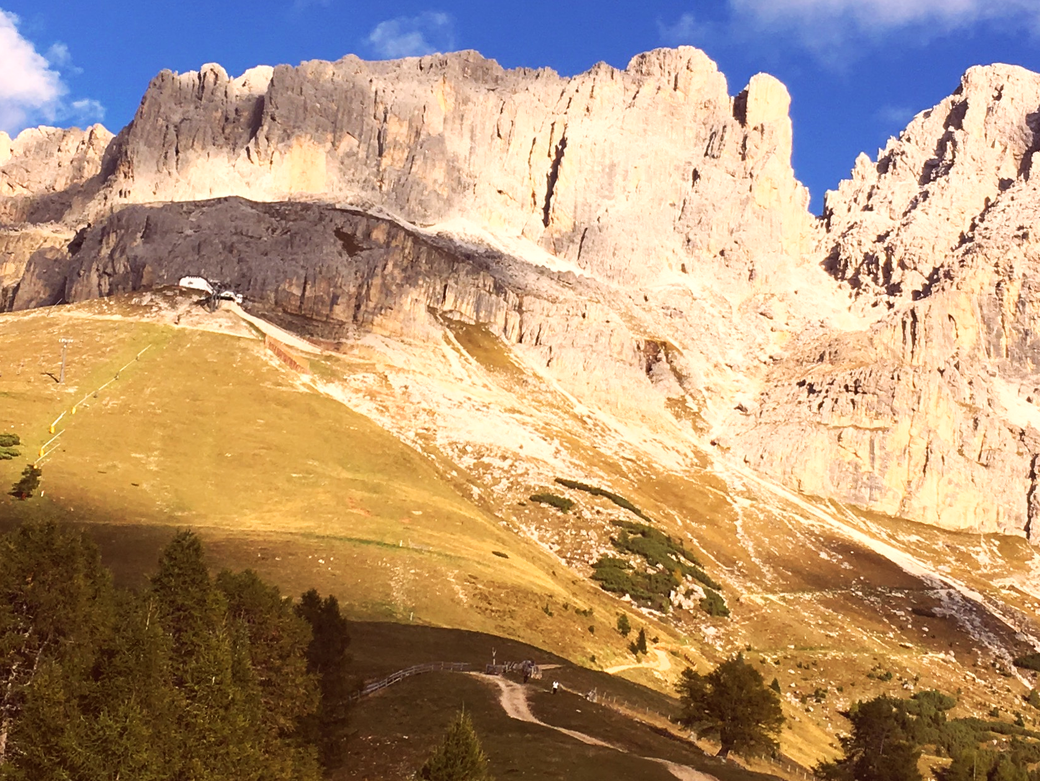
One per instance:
(619, 581)
(559, 502)
(1033, 698)
(623, 624)
(1028, 662)
(620, 501)
(713, 604)
(9, 440)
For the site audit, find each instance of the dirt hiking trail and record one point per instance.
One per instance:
(657, 660)
(513, 699)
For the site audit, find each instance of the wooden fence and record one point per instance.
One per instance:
(282, 353)
(526, 668)
(374, 686)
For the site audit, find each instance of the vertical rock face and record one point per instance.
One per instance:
(653, 246)
(45, 169)
(894, 223)
(43, 173)
(625, 173)
(932, 413)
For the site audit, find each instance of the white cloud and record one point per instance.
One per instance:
(28, 85)
(887, 14)
(84, 112)
(830, 29)
(899, 116)
(413, 36)
(31, 85)
(687, 30)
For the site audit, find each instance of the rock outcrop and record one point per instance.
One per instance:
(899, 218)
(46, 171)
(932, 413)
(627, 174)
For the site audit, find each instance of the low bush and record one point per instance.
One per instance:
(666, 562)
(713, 604)
(8, 443)
(559, 502)
(1028, 662)
(620, 501)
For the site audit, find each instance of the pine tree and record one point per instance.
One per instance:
(56, 609)
(880, 747)
(26, 487)
(284, 693)
(640, 645)
(219, 735)
(459, 757)
(327, 659)
(732, 703)
(134, 706)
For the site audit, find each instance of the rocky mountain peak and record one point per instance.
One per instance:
(639, 234)
(892, 224)
(558, 162)
(44, 167)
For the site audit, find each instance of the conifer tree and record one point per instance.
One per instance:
(26, 487)
(135, 707)
(56, 609)
(640, 643)
(880, 747)
(283, 691)
(187, 680)
(327, 659)
(219, 736)
(459, 756)
(733, 704)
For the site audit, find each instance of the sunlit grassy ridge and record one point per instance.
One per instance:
(206, 431)
(279, 473)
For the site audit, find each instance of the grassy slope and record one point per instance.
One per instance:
(204, 431)
(388, 725)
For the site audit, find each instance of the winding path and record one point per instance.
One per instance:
(659, 663)
(513, 699)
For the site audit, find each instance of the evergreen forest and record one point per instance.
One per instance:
(192, 676)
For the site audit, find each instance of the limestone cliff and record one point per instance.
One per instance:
(45, 170)
(895, 222)
(931, 413)
(625, 173)
(637, 234)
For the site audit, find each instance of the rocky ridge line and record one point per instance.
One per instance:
(909, 388)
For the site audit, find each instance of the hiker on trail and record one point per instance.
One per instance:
(556, 687)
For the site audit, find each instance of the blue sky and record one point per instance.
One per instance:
(858, 70)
